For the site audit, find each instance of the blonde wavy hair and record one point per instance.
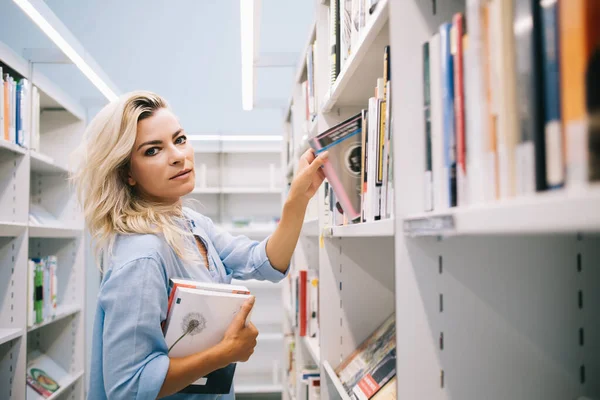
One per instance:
(110, 205)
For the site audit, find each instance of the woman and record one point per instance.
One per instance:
(136, 165)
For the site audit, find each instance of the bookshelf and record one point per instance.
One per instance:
(505, 288)
(37, 179)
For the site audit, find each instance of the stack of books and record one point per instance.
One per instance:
(198, 315)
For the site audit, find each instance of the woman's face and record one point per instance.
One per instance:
(162, 160)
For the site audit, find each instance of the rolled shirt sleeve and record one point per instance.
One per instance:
(135, 360)
(245, 257)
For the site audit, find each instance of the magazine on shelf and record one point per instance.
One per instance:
(342, 169)
(369, 364)
(43, 376)
(198, 315)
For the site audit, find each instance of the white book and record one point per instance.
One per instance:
(477, 135)
(372, 192)
(508, 126)
(30, 293)
(314, 388)
(199, 318)
(345, 31)
(441, 198)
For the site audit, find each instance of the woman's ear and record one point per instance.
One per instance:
(131, 181)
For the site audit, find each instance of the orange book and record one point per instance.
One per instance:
(579, 38)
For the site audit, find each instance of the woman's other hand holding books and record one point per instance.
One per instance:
(240, 338)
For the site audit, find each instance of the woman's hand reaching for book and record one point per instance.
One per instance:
(240, 338)
(309, 177)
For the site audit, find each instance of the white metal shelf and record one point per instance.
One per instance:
(11, 147)
(237, 190)
(382, 228)
(6, 335)
(11, 229)
(310, 227)
(256, 389)
(62, 311)
(270, 337)
(344, 88)
(238, 150)
(36, 231)
(65, 384)
(257, 285)
(301, 68)
(336, 381)
(312, 345)
(253, 230)
(541, 213)
(44, 164)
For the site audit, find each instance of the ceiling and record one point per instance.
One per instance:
(186, 50)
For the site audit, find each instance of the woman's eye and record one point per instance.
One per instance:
(152, 151)
(181, 139)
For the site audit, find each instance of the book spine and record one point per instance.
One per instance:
(555, 171)
(579, 40)
(507, 112)
(364, 163)
(303, 316)
(448, 111)
(30, 293)
(6, 88)
(334, 25)
(345, 30)
(18, 116)
(39, 292)
(531, 151)
(459, 108)
(440, 184)
(428, 181)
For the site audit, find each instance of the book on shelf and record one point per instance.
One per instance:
(388, 391)
(43, 376)
(342, 168)
(19, 111)
(513, 101)
(359, 171)
(364, 372)
(310, 383)
(42, 289)
(334, 39)
(198, 315)
(579, 53)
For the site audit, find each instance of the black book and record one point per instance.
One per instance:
(217, 382)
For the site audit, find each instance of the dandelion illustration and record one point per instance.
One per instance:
(192, 324)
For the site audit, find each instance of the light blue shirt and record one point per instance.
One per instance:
(129, 353)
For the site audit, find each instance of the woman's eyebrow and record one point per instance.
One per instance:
(159, 141)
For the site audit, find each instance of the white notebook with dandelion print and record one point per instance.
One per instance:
(198, 319)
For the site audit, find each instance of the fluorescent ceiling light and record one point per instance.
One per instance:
(234, 138)
(66, 48)
(247, 11)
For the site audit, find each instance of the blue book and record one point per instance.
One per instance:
(555, 170)
(448, 110)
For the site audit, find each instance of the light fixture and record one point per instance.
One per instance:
(63, 44)
(248, 15)
(236, 138)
